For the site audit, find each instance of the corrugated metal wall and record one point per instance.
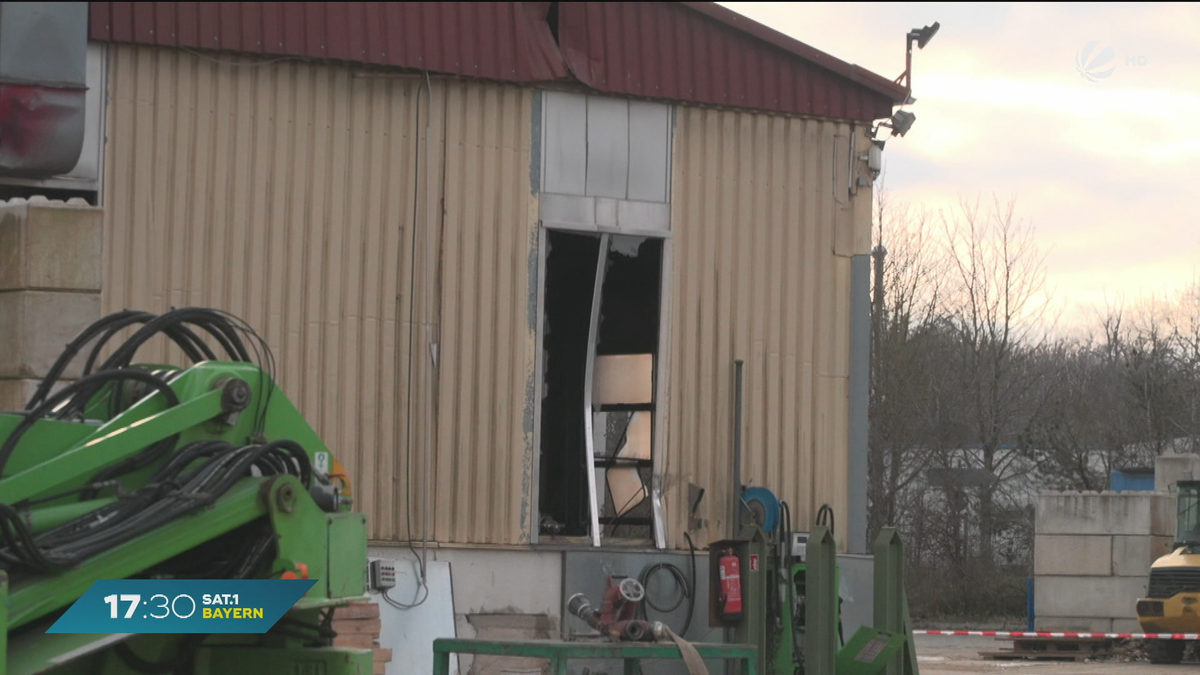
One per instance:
(761, 211)
(286, 194)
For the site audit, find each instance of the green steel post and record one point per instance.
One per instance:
(752, 629)
(782, 592)
(820, 606)
(441, 662)
(891, 602)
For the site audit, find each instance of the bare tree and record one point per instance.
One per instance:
(976, 404)
(998, 309)
(906, 304)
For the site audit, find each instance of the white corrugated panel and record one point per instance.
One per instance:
(759, 204)
(285, 193)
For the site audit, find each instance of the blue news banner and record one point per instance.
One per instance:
(182, 606)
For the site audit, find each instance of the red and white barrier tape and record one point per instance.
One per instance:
(1022, 634)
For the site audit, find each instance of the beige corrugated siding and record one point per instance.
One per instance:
(284, 193)
(760, 204)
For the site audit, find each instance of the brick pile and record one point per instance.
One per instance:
(358, 627)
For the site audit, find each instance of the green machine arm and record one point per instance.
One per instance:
(274, 502)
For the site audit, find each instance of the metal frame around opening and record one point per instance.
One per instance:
(661, 389)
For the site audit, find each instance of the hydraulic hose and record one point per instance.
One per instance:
(189, 479)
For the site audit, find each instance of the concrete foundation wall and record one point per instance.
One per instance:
(497, 594)
(1092, 556)
(1092, 597)
(1074, 623)
(520, 594)
(50, 271)
(1132, 556)
(1064, 554)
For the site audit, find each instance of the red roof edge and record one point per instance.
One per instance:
(898, 93)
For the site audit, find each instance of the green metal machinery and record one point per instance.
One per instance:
(161, 472)
(791, 608)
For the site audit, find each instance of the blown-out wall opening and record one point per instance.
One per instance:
(599, 354)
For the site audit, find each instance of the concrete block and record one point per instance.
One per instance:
(1162, 516)
(15, 393)
(50, 246)
(1126, 626)
(1170, 469)
(1088, 597)
(1073, 623)
(35, 326)
(1105, 513)
(1132, 555)
(1072, 555)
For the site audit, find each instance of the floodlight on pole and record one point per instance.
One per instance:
(921, 36)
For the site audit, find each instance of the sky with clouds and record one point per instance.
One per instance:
(1103, 170)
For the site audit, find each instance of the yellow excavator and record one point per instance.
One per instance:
(1172, 602)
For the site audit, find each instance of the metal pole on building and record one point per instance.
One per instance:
(879, 253)
(859, 463)
(736, 517)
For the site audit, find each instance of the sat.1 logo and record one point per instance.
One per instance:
(1094, 63)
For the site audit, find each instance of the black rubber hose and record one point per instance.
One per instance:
(685, 590)
(692, 600)
(168, 496)
(213, 323)
(191, 344)
(71, 351)
(110, 325)
(825, 517)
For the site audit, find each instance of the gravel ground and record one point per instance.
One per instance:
(955, 655)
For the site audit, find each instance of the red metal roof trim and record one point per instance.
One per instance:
(895, 91)
(508, 41)
(693, 52)
(668, 50)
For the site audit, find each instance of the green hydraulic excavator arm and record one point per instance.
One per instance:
(274, 502)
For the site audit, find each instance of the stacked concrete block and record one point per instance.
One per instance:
(1170, 469)
(1092, 556)
(50, 271)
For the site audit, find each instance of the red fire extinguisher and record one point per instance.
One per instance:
(730, 597)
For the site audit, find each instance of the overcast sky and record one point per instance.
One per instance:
(1104, 170)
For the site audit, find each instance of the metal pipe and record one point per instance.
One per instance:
(578, 605)
(589, 374)
(736, 520)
